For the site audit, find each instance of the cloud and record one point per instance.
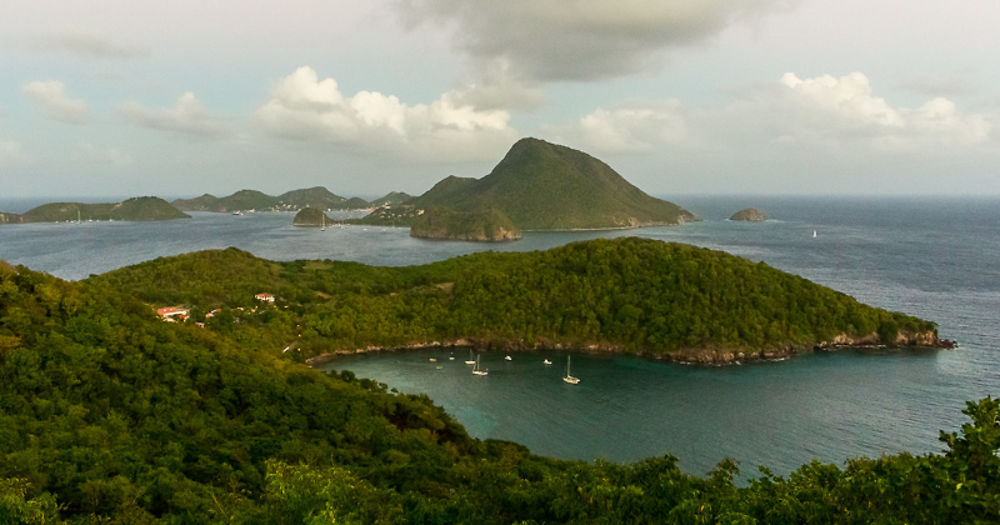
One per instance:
(51, 95)
(839, 114)
(844, 109)
(629, 128)
(114, 157)
(89, 44)
(186, 117)
(579, 40)
(303, 107)
(12, 152)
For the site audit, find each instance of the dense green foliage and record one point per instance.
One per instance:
(631, 294)
(134, 209)
(311, 217)
(110, 415)
(315, 197)
(484, 225)
(543, 186)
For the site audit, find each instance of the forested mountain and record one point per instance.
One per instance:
(109, 415)
(134, 209)
(544, 186)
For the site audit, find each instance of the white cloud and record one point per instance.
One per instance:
(105, 156)
(844, 109)
(580, 39)
(51, 95)
(835, 114)
(301, 106)
(629, 128)
(89, 44)
(186, 117)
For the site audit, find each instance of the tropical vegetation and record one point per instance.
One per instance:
(109, 415)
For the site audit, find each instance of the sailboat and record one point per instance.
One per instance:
(814, 234)
(323, 228)
(476, 370)
(470, 360)
(569, 378)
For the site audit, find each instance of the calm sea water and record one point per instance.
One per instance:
(934, 258)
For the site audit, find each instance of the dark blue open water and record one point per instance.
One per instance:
(934, 258)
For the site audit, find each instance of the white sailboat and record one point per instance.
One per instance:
(476, 370)
(470, 360)
(814, 234)
(323, 228)
(569, 377)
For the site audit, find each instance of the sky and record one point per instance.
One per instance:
(755, 97)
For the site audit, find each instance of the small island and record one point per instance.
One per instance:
(311, 218)
(749, 215)
(134, 209)
(490, 225)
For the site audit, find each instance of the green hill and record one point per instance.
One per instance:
(489, 225)
(134, 209)
(109, 415)
(205, 202)
(625, 295)
(316, 197)
(393, 198)
(543, 186)
(240, 201)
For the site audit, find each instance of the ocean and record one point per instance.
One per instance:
(930, 257)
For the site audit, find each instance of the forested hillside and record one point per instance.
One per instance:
(633, 295)
(109, 415)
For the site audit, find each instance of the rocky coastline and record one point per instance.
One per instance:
(692, 356)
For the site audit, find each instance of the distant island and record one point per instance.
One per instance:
(749, 215)
(252, 200)
(540, 186)
(311, 217)
(134, 209)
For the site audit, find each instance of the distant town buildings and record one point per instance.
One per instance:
(264, 297)
(168, 313)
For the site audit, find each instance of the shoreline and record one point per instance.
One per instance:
(691, 357)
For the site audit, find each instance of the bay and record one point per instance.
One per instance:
(933, 258)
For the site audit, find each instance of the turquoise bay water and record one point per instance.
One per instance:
(928, 257)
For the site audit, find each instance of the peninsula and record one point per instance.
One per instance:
(662, 300)
(134, 209)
